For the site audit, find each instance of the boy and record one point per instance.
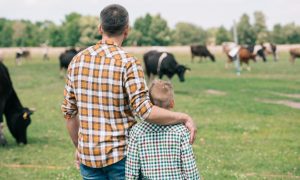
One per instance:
(160, 152)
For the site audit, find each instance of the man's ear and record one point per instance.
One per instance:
(126, 31)
(172, 104)
(100, 30)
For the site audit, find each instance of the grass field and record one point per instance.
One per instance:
(239, 136)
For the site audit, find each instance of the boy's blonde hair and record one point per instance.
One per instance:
(161, 93)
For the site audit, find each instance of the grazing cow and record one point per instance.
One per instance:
(244, 54)
(163, 63)
(65, 58)
(201, 51)
(22, 54)
(295, 53)
(17, 117)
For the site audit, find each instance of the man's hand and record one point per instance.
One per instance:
(77, 162)
(191, 126)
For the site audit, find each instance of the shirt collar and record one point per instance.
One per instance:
(108, 42)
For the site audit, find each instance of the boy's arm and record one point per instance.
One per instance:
(188, 162)
(132, 160)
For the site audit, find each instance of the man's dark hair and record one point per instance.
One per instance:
(114, 18)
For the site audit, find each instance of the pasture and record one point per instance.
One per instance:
(244, 129)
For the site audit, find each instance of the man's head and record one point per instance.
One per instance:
(161, 94)
(114, 20)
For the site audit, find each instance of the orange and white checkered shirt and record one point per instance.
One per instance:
(106, 87)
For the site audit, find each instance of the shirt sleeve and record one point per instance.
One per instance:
(137, 90)
(132, 168)
(188, 162)
(69, 107)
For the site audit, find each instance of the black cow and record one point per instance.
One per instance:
(17, 117)
(65, 58)
(201, 51)
(163, 63)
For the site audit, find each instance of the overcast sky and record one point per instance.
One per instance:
(205, 13)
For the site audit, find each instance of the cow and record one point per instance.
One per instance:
(17, 117)
(22, 54)
(163, 63)
(294, 53)
(65, 58)
(244, 55)
(201, 51)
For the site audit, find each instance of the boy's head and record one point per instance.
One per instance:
(161, 94)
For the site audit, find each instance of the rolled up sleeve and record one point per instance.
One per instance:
(69, 107)
(137, 90)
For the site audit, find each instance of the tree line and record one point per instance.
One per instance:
(149, 30)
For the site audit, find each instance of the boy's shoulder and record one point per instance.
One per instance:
(146, 127)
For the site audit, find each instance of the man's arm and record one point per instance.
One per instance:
(140, 102)
(165, 117)
(73, 127)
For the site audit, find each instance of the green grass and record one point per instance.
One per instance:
(238, 137)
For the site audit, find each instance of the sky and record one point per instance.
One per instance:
(208, 13)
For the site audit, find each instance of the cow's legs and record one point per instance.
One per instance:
(292, 59)
(248, 66)
(192, 58)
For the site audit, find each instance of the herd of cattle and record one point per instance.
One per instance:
(156, 63)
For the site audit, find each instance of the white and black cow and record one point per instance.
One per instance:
(17, 117)
(163, 63)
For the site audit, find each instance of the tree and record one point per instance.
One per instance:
(71, 28)
(6, 33)
(292, 33)
(88, 28)
(159, 31)
(142, 25)
(133, 38)
(186, 34)
(260, 27)
(277, 34)
(246, 34)
(222, 35)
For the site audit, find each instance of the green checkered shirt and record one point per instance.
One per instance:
(160, 152)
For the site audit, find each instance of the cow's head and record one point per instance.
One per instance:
(21, 126)
(180, 70)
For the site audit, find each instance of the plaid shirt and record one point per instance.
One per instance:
(160, 152)
(105, 86)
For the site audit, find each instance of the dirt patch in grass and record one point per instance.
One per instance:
(215, 92)
(287, 95)
(288, 103)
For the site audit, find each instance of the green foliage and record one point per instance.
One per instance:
(71, 29)
(222, 35)
(246, 33)
(148, 30)
(260, 27)
(6, 33)
(186, 34)
(88, 26)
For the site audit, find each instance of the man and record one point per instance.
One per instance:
(105, 89)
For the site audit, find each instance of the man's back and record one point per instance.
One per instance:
(160, 152)
(100, 85)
